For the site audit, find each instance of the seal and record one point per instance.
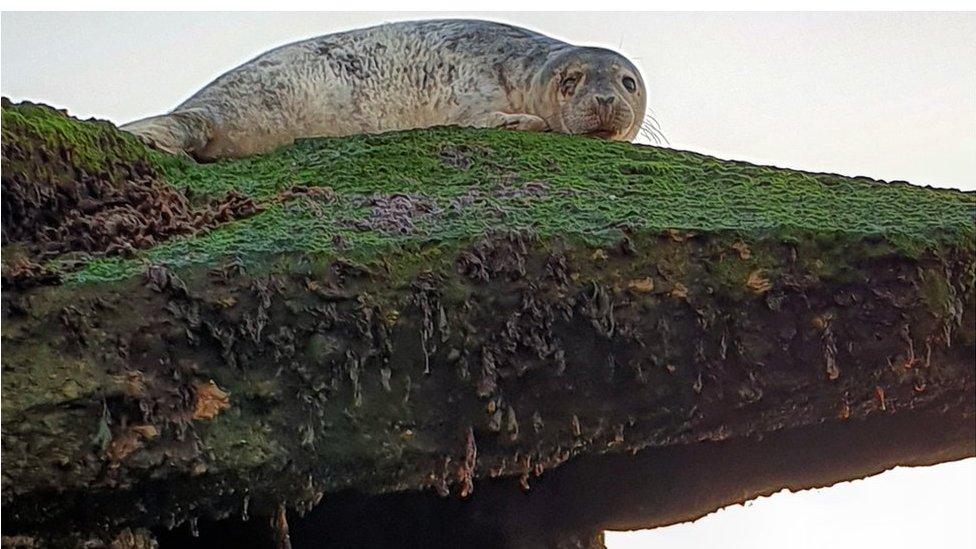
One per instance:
(405, 75)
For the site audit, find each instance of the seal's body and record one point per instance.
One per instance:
(401, 76)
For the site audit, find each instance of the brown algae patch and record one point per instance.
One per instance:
(396, 213)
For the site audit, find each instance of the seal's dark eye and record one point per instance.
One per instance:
(569, 83)
(630, 84)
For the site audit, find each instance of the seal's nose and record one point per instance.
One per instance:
(604, 101)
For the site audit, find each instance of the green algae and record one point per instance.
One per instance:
(240, 443)
(549, 185)
(475, 181)
(49, 381)
(93, 146)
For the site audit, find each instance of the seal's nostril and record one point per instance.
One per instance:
(605, 101)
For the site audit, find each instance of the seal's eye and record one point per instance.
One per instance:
(630, 84)
(568, 84)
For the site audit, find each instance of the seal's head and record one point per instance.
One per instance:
(592, 91)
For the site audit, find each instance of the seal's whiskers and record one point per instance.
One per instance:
(651, 129)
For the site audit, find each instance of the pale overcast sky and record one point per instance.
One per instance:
(890, 96)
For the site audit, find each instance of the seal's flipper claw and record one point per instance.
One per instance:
(517, 121)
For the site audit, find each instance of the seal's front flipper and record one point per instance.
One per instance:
(175, 133)
(518, 121)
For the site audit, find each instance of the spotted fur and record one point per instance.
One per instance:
(401, 76)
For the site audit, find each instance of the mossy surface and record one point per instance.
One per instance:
(383, 193)
(92, 146)
(467, 181)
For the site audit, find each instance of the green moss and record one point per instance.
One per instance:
(240, 443)
(37, 134)
(40, 377)
(471, 181)
(937, 293)
(731, 274)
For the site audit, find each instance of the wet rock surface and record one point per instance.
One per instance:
(522, 388)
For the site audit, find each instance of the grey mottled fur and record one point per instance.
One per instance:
(401, 76)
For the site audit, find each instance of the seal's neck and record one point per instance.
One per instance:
(537, 97)
(538, 103)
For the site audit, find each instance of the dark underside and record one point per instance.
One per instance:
(458, 337)
(654, 487)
